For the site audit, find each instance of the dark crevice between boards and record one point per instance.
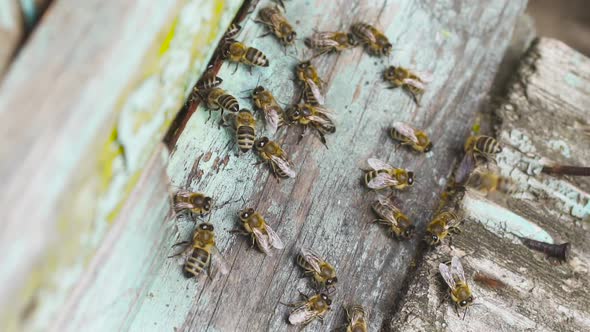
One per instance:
(187, 110)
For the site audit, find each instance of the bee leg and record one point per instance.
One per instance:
(414, 96)
(209, 272)
(235, 69)
(238, 231)
(303, 295)
(183, 251)
(322, 138)
(302, 134)
(455, 230)
(250, 70)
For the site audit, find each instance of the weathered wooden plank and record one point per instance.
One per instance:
(325, 207)
(538, 295)
(81, 112)
(11, 31)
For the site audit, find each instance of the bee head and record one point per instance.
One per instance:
(428, 147)
(294, 113)
(433, 240)
(258, 90)
(351, 40)
(390, 72)
(303, 65)
(289, 37)
(410, 178)
(386, 49)
(409, 232)
(331, 281)
(260, 143)
(206, 227)
(246, 213)
(466, 302)
(207, 204)
(326, 298)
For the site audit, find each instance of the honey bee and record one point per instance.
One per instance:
(237, 52)
(383, 176)
(203, 253)
(278, 24)
(324, 274)
(312, 116)
(273, 113)
(272, 153)
(232, 31)
(244, 125)
(307, 76)
(455, 279)
(313, 307)
(483, 146)
(399, 224)
(262, 235)
(439, 228)
(487, 182)
(197, 203)
(218, 99)
(208, 81)
(374, 40)
(407, 80)
(325, 42)
(416, 139)
(357, 319)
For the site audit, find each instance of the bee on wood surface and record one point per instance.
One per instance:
(478, 150)
(323, 273)
(203, 253)
(264, 101)
(407, 135)
(208, 81)
(357, 319)
(383, 175)
(272, 153)
(325, 42)
(311, 83)
(273, 18)
(197, 203)
(486, 182)
(397, 222)
(403, 78)
(441, 226)
(262, 235)
(314, 307)
(218, 99)
(455, 279)
(374, 40)
(244, 125)
(316, 117)
(232, 31)
(237, 52)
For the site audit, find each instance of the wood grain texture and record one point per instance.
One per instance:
(325, 207)
(82, 110)
(541, 107)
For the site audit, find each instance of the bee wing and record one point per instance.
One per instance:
(302, 315)
(457, 269)
(385, 201)
(367, 34)
(445, 272)
(406, 130)
(285, 165)
(325, 111)
(262, 240)
(465, 167)
(382, 180)
(183, 193)
(416, 83)
(316, 91)
(218, 262)
(272, 119)
(324, 121)
(424, 77)
(326, 37)
(312, 258)
(274, 238)
(377, 164)
(182, 206)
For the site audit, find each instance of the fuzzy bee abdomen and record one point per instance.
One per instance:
(256, 57)
(245, 136)
(197, 262)
(229, 103)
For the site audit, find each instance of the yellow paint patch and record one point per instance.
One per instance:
(166, 43)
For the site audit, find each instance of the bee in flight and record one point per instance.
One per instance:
(197, 203)
(274, 114)
(203, 253)
(383, 175)
(455, 279)
(487, 182)
(237, 52)
(389, 215)
(403, 78)
(244, 125)
(323, 273)
(272, 153)
(478, 149)
(277, 24)
(407, 135)
(314, 307)
(325, 42)
(316, 117)
(262, 235)
(441, 226)
(357, 319)
(374, 40)
(312, 84)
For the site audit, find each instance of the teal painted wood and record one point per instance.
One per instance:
(325, 207)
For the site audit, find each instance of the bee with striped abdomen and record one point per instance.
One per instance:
(403, 78)
(455, 279)
(237, 52)
(407, 135)
(316, 117)
(244, 125)
(232, 31)
(271, 152)
(325, 42)
(262, 235)
(323, 273)
(374, 40)
(314, 307)
(203, 253)
(383, 175)
(264, 101)
(357, 319)
(197, 203)
(483, 146)
(397, 222)
(208, 81)
(441, 226)
(307, 76)
(278, 25)
(218, 99)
